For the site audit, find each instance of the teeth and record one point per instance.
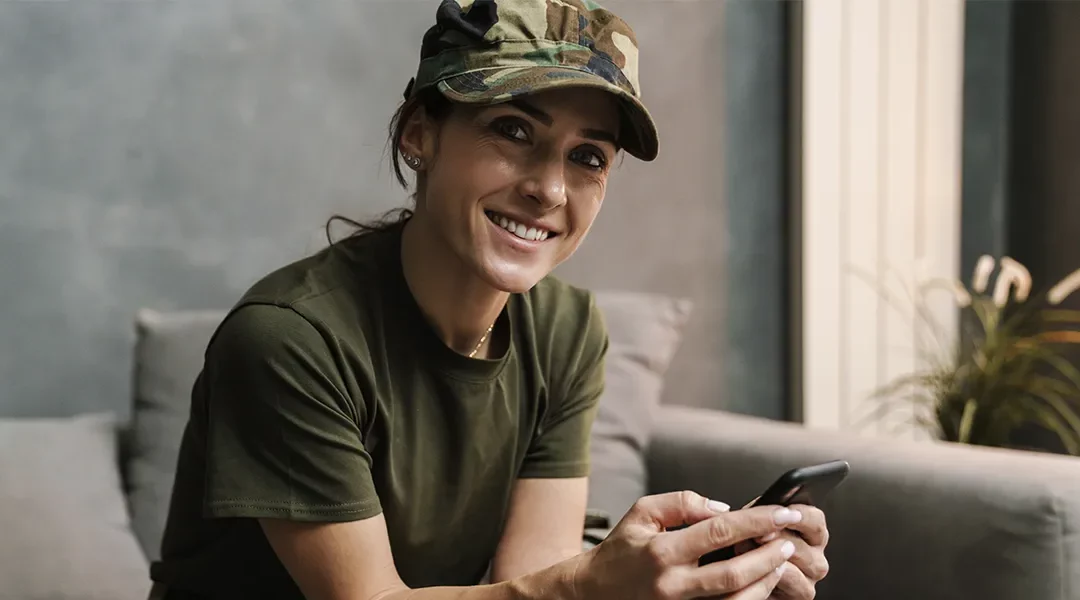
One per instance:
(525, 233)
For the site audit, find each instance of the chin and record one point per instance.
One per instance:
(513, 279)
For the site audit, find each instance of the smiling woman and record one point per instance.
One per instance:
(411, 407)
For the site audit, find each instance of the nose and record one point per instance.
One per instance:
(545, 183)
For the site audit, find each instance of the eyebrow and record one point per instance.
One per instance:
(599, 135)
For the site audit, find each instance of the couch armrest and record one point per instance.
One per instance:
(927, 520)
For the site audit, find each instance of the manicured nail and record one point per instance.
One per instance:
(768, 538)
(787, 549)
(719, 507)
(786, 516)
(780, 570)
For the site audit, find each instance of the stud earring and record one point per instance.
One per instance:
(412, 161)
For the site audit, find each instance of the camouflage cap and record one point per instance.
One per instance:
(489, 51)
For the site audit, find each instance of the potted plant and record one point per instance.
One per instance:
(1006, 373)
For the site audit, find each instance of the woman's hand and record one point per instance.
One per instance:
(810, 536)
(642, 560)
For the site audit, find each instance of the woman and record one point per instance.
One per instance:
(408, 411)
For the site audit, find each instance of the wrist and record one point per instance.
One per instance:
(562, 581)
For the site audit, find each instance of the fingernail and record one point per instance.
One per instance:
(787, 549)
(768, 538)
(719, 507)
(786, 516)
(780, 570)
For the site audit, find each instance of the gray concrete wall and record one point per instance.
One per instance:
(166, 154)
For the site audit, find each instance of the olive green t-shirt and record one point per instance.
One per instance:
(326, 396)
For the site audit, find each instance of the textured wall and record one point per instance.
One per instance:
(166, 154)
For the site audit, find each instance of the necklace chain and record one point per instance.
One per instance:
(482, 340)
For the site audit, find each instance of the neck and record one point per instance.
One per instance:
(458, 304)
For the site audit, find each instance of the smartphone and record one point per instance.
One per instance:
(804, 485)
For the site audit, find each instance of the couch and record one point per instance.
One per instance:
(83, 499)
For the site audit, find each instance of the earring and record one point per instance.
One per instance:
(412, 161)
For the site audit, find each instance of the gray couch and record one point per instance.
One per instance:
(915, 520)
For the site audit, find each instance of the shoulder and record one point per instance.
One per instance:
(339, 269)
(569, 330)
(564, 308)
(335, 290)
(254, 334)
(279, 358)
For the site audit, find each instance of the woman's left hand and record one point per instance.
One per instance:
(808, 565)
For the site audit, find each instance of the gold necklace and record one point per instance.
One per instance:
(482, 340)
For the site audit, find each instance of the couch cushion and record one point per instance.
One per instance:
(168, 357)
(64, 527)
(644, 330)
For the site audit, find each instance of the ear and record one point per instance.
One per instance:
(418, 136)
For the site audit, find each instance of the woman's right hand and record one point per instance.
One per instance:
(642, 560)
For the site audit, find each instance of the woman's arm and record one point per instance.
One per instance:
(353, 561)
(544, 526)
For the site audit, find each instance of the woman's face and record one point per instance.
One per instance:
(512, 189)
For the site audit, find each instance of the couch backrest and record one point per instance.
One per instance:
(914, 520)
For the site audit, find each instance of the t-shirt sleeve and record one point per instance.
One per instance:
(560, 448)
(283, 437)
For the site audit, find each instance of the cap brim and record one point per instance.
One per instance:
(490, 86)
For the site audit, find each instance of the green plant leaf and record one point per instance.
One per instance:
(1061, 315)
(1061, 406)
(967, 420)
(1063, 388)
(1060, 364)
(1050, 420)
(987, 312)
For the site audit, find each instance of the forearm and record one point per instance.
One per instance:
(510, 568)
(553, 583)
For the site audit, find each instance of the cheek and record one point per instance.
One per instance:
(473, 169)
(584, 209)
(585, 202)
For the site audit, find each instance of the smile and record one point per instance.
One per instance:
(531, 234)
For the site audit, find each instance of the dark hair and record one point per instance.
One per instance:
(437, 107)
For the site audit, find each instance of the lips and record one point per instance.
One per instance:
(532, 234)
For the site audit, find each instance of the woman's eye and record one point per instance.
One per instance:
(588, 158)
(512, 130)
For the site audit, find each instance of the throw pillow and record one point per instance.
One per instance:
(64, 527)
(644, 332)
(168, 357)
